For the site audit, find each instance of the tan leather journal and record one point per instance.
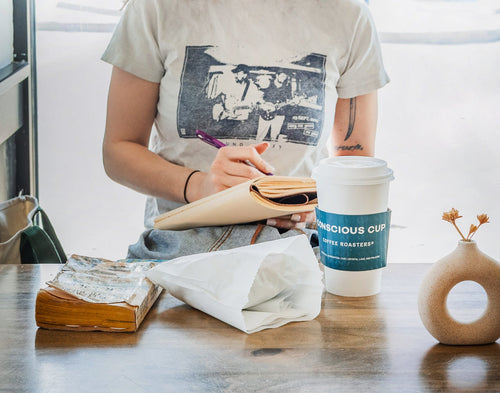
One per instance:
(255, 200)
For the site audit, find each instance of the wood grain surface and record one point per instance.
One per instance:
(372, 344)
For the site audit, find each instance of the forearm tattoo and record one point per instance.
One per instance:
(352, 117)
(349, 148)
(350, 128)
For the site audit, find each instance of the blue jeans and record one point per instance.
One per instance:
(162, 244)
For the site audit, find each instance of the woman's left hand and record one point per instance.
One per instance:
(293, 221)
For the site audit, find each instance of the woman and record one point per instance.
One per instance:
(174, 61)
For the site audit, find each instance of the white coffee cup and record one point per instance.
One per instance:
(353, 222)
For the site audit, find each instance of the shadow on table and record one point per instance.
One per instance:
(46, 339)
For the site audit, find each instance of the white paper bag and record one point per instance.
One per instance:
(255, 287)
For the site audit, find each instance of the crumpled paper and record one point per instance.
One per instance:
(252, 288)
(98, 280)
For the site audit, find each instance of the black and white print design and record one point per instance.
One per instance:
(261, 103)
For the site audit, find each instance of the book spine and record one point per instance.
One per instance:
(146, 305)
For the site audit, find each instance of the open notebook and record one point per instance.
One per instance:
(257, 199)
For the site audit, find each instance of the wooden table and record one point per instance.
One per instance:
(373, 344)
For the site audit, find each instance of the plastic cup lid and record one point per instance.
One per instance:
(353, 170)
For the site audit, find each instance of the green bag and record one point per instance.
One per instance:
(26, 233)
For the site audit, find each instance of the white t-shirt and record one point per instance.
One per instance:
(247, 71)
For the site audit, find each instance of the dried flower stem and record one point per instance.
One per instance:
(459, 231)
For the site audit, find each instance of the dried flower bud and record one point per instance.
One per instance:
(472, 230)
(451, 216)
(483, 219)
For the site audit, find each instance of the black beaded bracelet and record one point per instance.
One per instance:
(186, 184)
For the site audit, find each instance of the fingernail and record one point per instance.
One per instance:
(300, 225)
(295, 217)
(271, 222)
(270, 169)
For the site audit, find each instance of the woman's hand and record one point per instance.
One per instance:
(229, 168)
(294, 221)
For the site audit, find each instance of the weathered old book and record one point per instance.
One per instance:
(97, 294)
(257, 199)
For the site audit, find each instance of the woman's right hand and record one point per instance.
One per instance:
(229, 168)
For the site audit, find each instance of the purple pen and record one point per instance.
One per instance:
(209, 139)
(218, 144)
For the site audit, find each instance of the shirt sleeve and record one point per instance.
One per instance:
(134, 45)
(364, 71)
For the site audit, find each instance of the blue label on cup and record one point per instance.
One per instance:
(353, 242)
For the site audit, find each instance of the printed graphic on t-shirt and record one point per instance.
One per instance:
(259, 103)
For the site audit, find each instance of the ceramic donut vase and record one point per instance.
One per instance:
(465, 263)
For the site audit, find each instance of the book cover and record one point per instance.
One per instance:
(257, 199)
